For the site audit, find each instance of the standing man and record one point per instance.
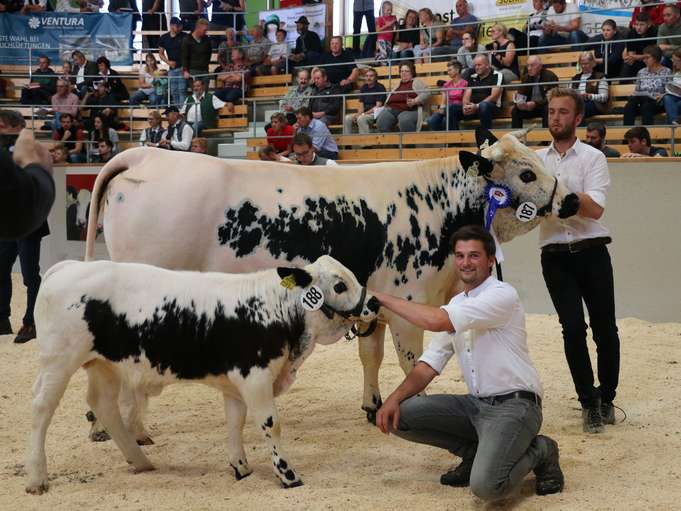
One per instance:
(530, 100)
(170, 52)
(196, 52)
(363, 9)
(494, 428)
(576, 263)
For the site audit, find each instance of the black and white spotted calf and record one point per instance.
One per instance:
(147, 327)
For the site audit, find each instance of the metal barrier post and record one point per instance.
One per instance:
(30, 71)
(254, 112)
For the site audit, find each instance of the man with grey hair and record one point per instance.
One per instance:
(530, 100)
(297, 97)
(256, 51)
(482, 100)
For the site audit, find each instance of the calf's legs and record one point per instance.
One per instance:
(235, 410)
(371, 355)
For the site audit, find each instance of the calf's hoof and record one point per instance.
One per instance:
(146, 440)
(372, 410)
(38, 488)
(241, 474)
(292, 485)
(99, 436)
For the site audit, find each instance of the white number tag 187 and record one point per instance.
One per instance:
(526, 212)
(312, 298)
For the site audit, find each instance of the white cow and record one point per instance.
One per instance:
(245, 335)
(389, 223)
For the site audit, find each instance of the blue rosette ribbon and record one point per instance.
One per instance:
(498, 196)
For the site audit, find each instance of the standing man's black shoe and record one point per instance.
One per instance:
(592, 420)
(549, 475)
(608, 413)
(26, 333)
(460, 476)
(5, 327)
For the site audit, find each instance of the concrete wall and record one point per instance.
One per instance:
(643, 214)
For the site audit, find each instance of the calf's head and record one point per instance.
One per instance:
(511, 163)
(332, 289)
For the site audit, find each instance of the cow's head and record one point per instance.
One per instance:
(332, 289)
(511, 163)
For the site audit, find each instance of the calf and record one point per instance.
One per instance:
(147, 327)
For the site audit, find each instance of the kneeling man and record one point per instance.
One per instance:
(494, 427)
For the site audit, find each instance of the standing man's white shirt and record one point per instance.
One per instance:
(490, 340)
(194, 112)
(582, 169)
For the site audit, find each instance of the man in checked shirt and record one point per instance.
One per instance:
(494, 428)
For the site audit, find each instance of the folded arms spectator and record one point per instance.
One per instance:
(196, 53)
(322, 140)
(669, 33)
(562, 26)
(592, 87)
(42, 85)
(326, 101)
(308, 47)
(638, 38)
(372, 97)
(483, 97)
(298, 96)
(170, 52)
(404, 105)
(650, 87)
(340, 65)
(408, 36)
(72, 137)
(502, 54)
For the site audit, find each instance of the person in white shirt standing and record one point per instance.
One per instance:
(494, 428)
(576, 263)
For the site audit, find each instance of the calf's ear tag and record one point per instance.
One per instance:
(526, 212)
(288, 282)
(312, 298)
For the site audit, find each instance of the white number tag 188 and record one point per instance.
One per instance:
(312, 298)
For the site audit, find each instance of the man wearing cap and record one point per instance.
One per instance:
(178, 136)
(170, 52)
(308, 45)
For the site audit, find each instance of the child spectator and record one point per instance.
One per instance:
(199, 145)
(385, 24)
(453, 95)
(609, 43)
(278, 53)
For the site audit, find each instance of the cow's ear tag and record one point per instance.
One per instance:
(289, 282)
(312, 299)
(526, 212)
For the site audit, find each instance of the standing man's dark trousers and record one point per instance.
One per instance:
(571, 278)
(28, 251)
(517, 116)
(370, 45)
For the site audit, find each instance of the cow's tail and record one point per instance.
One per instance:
(120, 163)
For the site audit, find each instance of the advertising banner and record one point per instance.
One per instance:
(595, 12)
(286, 19)
(57, 34)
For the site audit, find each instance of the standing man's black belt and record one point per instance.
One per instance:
(518, 394)
(577, 246)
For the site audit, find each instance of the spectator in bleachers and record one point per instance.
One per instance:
(632, 55)
(423, 49)
(595, 137)
(372, 96)
(43, 84)
(59, 154)
(536, 22)
(452, 96)
(34, 6)
(363, 9)
(151, 136)
(269, 153)
(341, 69)
(307, 153)
(112, 79)
(483, 97)
(467, 53)
(563, 25)
(326, 102)
(160, 83)
(386, 24)
(72, 137)
(672, 97)
(199, 145)
(308, 47)
(608, 44)
(404, 106)
(592, 86)
(669, 33)
(233, 80)
(463, 23)
(11, 6)
(502, 54)
(298, 96)
(99, 131)
(320, 136)
(278, 54)
(153, 18)
(104, 151)
(196, 52)
(101, 102)
(408, 36)
(170, 52)
(256, 51)
(68, 76)
(64, 102)
(85, 72)
(654, 12)
(178, 135)
(639, 143)
(280, 134)
(147, 74)
(531, 99)
(201, 109)
(650, 87)
(225, 47)
(430, 38)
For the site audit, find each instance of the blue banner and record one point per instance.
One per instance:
(57, 34)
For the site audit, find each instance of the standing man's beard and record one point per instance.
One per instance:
(564, 133)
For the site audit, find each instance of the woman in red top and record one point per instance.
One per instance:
(280, 135)
(404, 106)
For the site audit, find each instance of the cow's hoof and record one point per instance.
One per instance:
(99, 436)
(37, 489)
(371, 416)
(371, 412)
(145, 441)
(238, 475)
(90, 416)
(292, 485)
